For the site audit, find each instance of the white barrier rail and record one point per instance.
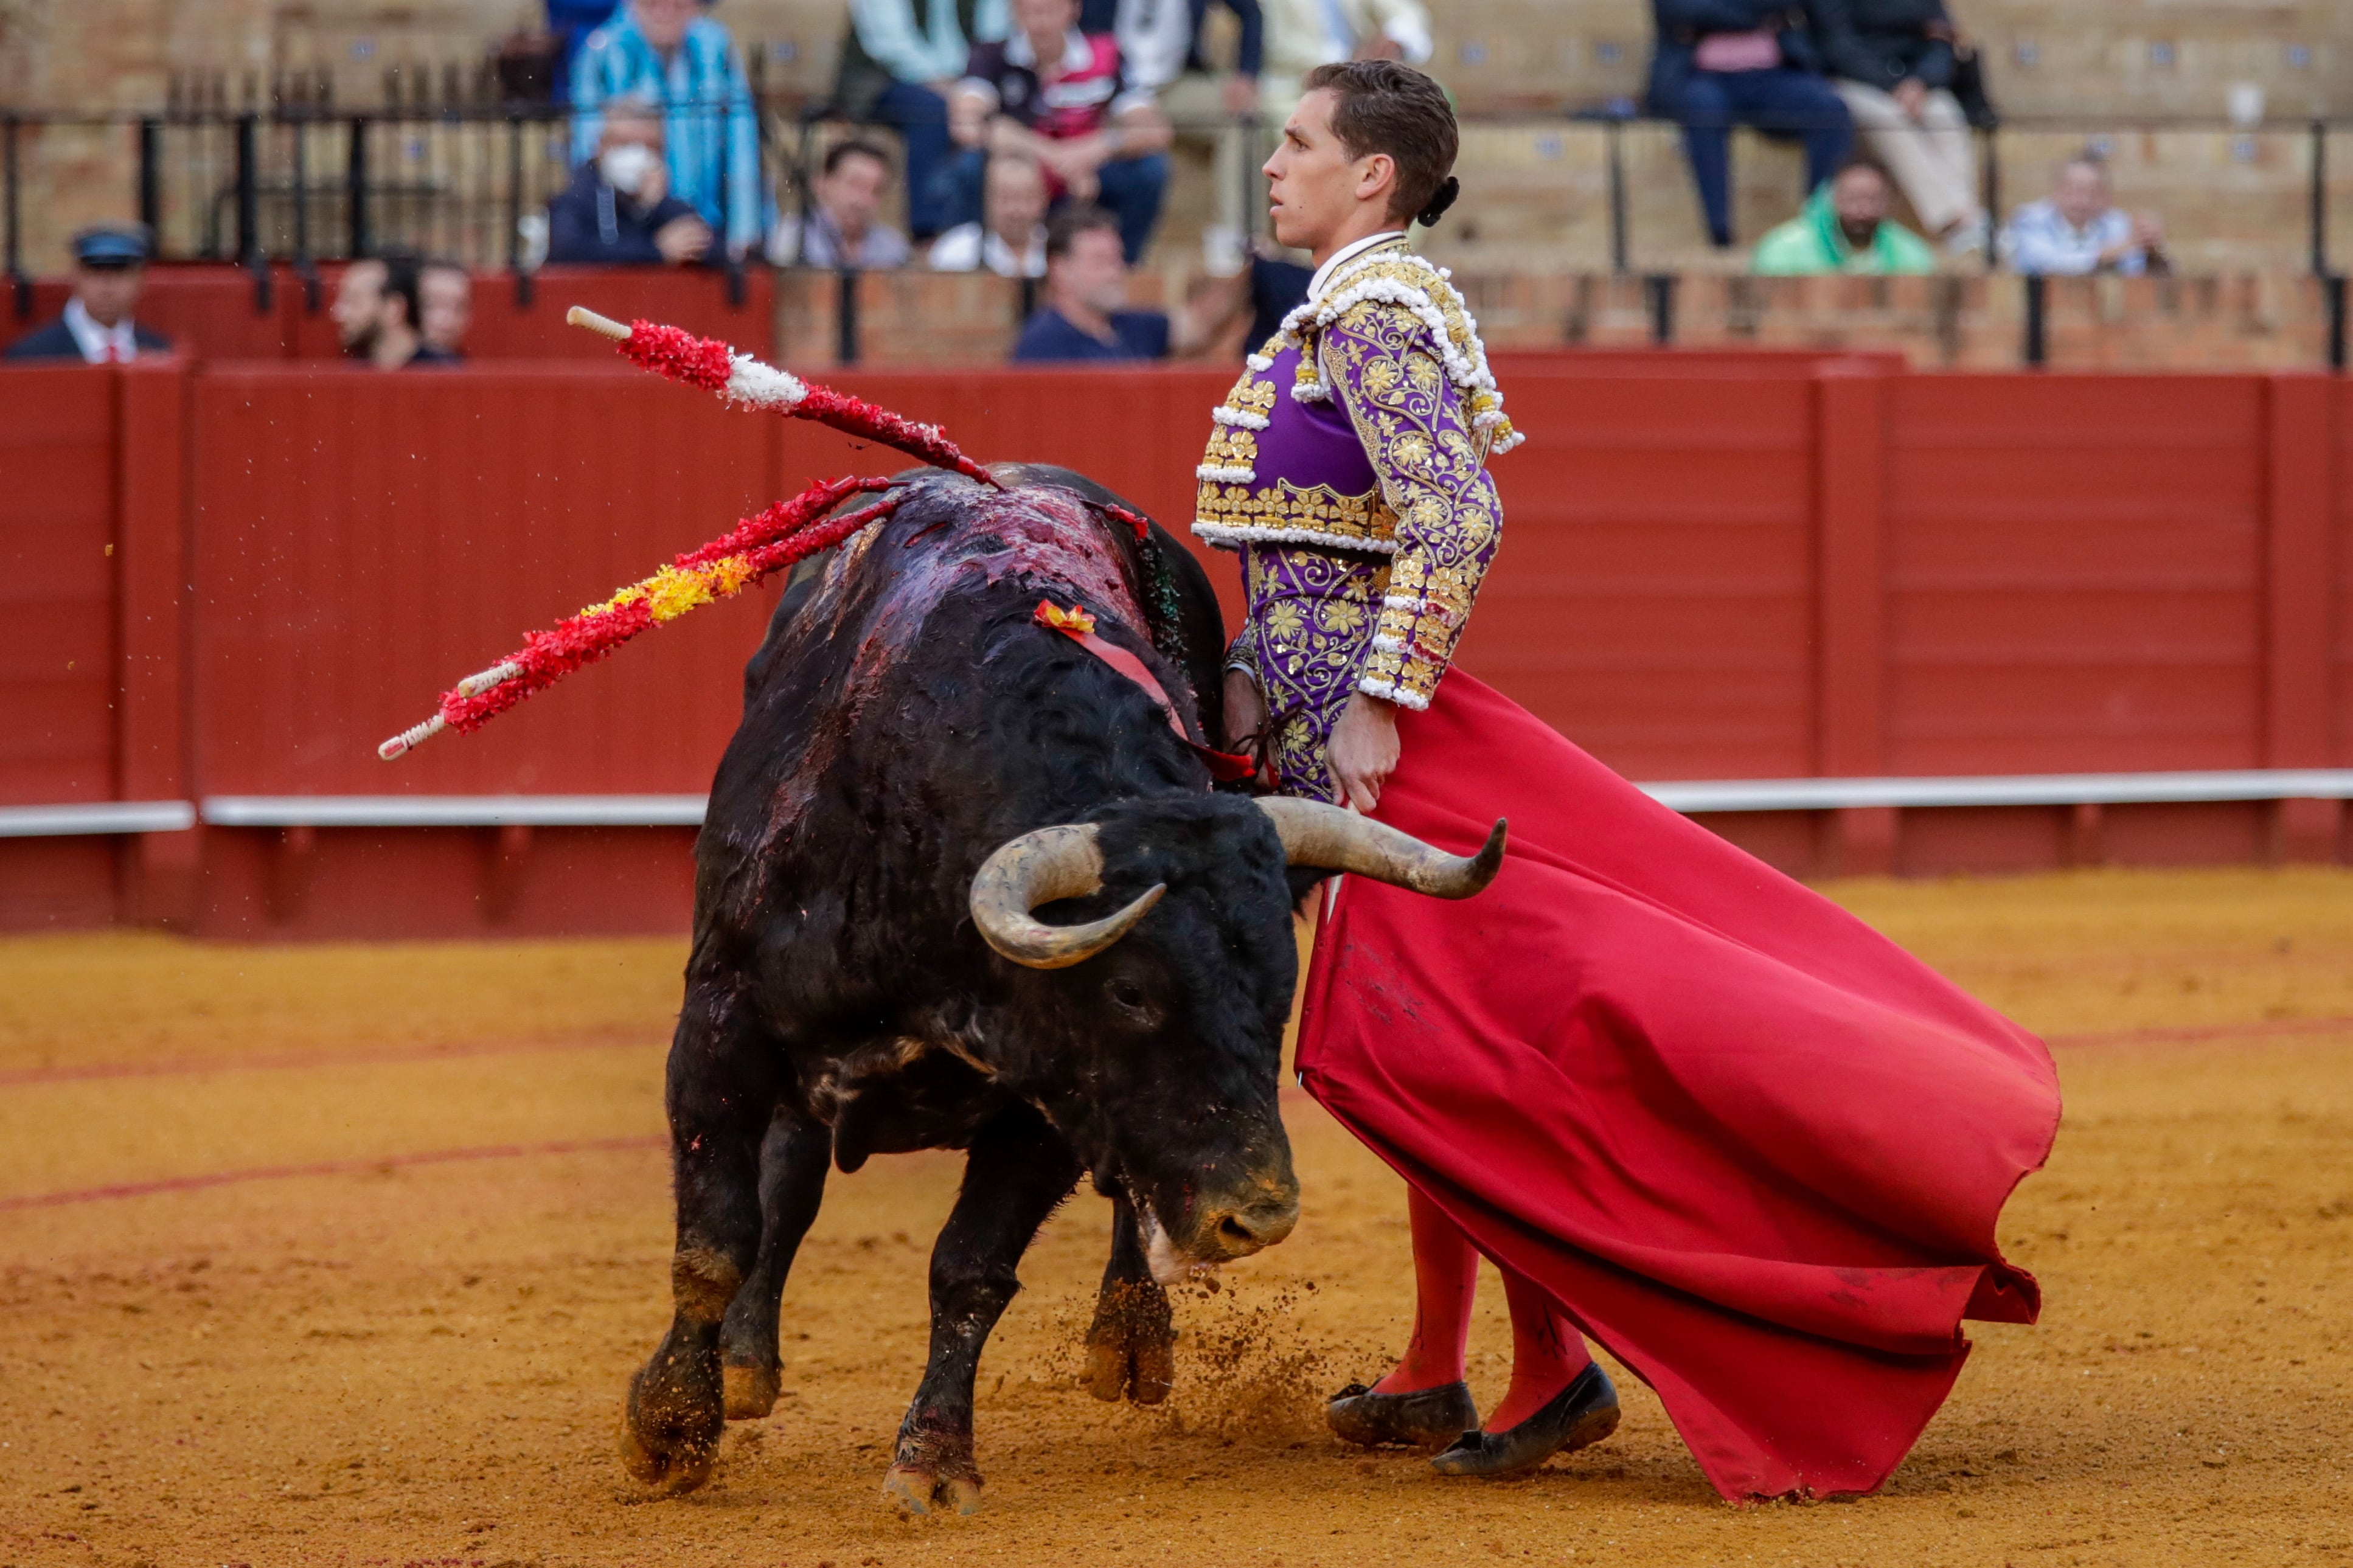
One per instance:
(97, 816)
(1692, 796)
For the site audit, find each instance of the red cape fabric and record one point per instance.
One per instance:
(1754, 1148)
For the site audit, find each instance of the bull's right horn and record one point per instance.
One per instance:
(1058, 862)
(1333, 839)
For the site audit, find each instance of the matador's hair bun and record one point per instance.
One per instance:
(1448, 189)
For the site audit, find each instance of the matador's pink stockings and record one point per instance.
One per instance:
(1546, 1350)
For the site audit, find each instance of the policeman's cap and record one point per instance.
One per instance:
(112, 245)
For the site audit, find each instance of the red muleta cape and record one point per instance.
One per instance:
(1754, 1148)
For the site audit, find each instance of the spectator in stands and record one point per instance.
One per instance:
(110, 269)
(1892, 61)
(844, 226)
(1061, 97)
(2078, 228)
(377, 310)
(1084, 316)
(1010, 241)
(664, 52)
(899, 65)
(619, 210)
(446, 294)
(1716, 63)
(1845, 229)
(1304, 34)
(1160, 40)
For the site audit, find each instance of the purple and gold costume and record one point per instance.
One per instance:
(1348, 467)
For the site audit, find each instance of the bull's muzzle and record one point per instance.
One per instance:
(1224, 1226)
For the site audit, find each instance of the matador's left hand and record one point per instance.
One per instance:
(1364, 750)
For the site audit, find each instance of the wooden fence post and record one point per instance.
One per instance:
(2298, 582)
(1850, 624)
(151, 581)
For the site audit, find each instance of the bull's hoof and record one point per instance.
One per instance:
(922, 1491)
(671, 1423)
(750, 1390)
(1144, 1370)
(1132, 1346)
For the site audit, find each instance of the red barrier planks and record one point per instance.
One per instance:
(57, 585)
(2074, 574)
(1652, 599)
(364, 540)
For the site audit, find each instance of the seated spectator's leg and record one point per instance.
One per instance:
(1948, 136)
(1705, 110)
(920, 118)
(1917, 155)
(1801, 107)
(957, 189)
(1132, 188)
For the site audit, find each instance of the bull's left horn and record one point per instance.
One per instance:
(1058, 862)
(1333, 839)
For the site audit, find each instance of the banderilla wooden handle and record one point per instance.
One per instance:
(603, 326)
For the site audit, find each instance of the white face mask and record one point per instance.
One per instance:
(625, 167)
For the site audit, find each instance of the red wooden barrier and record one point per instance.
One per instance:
(1768, 573)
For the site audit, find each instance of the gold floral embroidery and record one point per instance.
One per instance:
(1229, 514)
(1432, 467)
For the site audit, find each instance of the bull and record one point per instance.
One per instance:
(920, 769)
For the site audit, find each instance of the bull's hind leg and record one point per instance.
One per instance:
(1018, 1169)
(1132, 1346)
(793, 1160)
(722, 1085)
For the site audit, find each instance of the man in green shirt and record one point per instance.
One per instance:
(1844, 228)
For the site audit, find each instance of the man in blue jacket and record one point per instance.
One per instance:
(1718, 63)
(619, 210)
(110, 265)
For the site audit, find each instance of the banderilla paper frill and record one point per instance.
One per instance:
(753, 549)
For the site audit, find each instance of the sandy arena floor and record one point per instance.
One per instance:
(397, 1332)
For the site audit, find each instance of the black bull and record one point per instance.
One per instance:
(917, 766)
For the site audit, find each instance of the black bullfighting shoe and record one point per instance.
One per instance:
(1426, 1418)
(1578, 1416)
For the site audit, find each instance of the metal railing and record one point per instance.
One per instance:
(298, 180)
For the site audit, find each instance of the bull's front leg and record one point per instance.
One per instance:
(1018, 1170)
(793, 1160)
(1132, 1345)
(720, 1088)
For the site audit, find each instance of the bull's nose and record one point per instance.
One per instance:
(1239, 1231)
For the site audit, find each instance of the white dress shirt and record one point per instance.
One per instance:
(1344, 254)
(118, 344)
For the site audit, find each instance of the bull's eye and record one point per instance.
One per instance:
(1128, 993)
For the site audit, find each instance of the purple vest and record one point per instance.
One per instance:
(1280, 471)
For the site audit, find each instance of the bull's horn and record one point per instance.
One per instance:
(1332, 839)
(1059, 862)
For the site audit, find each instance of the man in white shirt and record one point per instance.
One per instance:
(1010, 240)
(110, 269)
(1304, 34)
(2078, 228)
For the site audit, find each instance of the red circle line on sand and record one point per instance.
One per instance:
(328, 1168)
(101, 1070)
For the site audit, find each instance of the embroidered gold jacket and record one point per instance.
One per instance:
(1362, 427)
